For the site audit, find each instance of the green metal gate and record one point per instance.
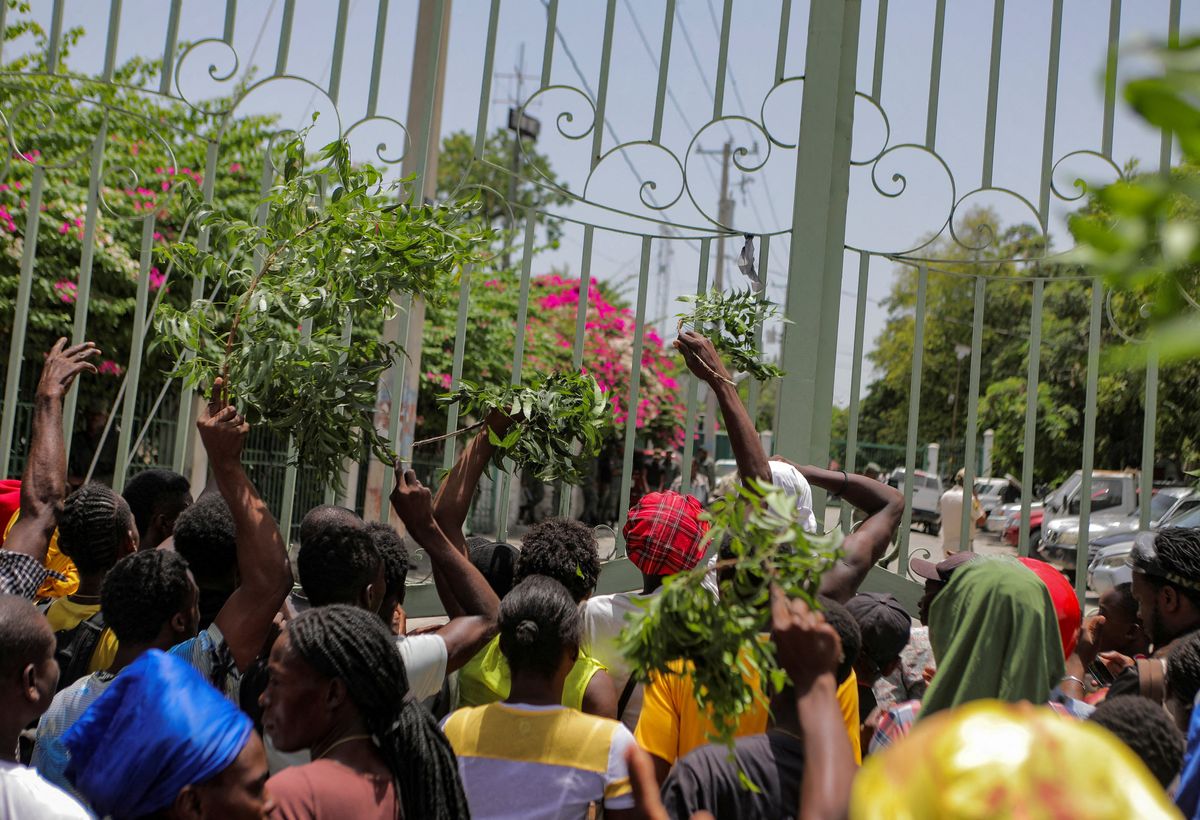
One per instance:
(846, 46)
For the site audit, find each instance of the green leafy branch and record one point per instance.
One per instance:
(560, 422)
(723, 642)
(1142, 233)
(332, 244)
(732, 321)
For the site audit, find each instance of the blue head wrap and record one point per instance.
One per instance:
(157, 728)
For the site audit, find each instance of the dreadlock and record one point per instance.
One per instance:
(93, 524)
(352, 644)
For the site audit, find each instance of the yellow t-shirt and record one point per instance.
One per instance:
(55, 560)
(671, 725)
(67, 614)
(486, 678)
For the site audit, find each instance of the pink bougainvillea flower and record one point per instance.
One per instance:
(66, 290)
(63, 228)
(234, 167)
(156, 279)
(108, 367)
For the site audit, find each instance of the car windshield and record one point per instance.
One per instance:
(1160, 503)
(1191, 518)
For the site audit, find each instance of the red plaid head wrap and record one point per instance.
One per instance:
(664, 534)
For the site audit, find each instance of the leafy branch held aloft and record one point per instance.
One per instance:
(732, 321)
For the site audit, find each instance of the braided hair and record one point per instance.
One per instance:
(352, 644)
(93, 524)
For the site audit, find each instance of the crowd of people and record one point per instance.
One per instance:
(158, 659)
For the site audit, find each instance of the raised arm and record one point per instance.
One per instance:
(465, 634)
(44, 482)
(453, 500)
(809, 651)
(702, 359)
(883, 505)
(265, 577)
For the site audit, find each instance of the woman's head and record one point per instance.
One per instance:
(539, 627)
(334, 671)
(994, 633)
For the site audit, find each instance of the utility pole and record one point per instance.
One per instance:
(520, 125)
(725, 218)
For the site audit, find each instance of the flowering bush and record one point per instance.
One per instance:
(554, 302)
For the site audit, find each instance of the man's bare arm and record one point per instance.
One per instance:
(465, 634)
(44, 482)
(883, 505)
(265, 576)
(702, 359)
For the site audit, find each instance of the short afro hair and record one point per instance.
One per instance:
(1183, 670)
(1125, 600)
(1144, 726)
(144, 591)
(93, 524)
(336, 563)
(564, 550)
(837, 616)
(1178, 551)
(25, 635)
(205, 536)
(395, 556)
(153, 491)
(326, 515)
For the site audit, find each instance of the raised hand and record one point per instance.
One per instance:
(808, 647)
(63, 364)
(701, 357)
(222, 429)
(412, 501)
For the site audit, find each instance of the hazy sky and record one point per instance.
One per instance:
(875, 222)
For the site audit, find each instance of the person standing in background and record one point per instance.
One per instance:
(950, 508)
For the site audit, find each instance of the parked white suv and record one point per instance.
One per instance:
(926, 493)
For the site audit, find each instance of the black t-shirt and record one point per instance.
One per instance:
(706, 779)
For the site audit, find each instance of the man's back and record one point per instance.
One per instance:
(706, 779)
(603, 618)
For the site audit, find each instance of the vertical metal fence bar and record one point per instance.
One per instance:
(1148, 430)
(460, 343)
(860, 316)
(3, 27)
(1031, 407)
(972, 411)
(285, 37)
(1089, 441)
(168, 66)
(518, 360)
(1164, 151)
(754, 389)
(602, 87)
(110, 45)
(548, 45)
(12, 381)
(377, 60)
(288, 502)
(935, 74)
(485, 84)
(1110, 77)
(1051, 113)
(722, 62)
(693, 384)
(989, 132)
(339, 50)
(230, 19)
(914, 411)
(349, 471)
(635, 379)
(664, 60)
(183, 423)
(136, 345)
(54, 44)
(785, 22)
(83, 291)
(581, 312)
(880, 43)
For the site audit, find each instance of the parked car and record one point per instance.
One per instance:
(926, 493)
(1106, 567)
(1165, 503)
(1112, 490)
(1061, 537)
(1012, 526)
(995, 492)
(997, 520)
